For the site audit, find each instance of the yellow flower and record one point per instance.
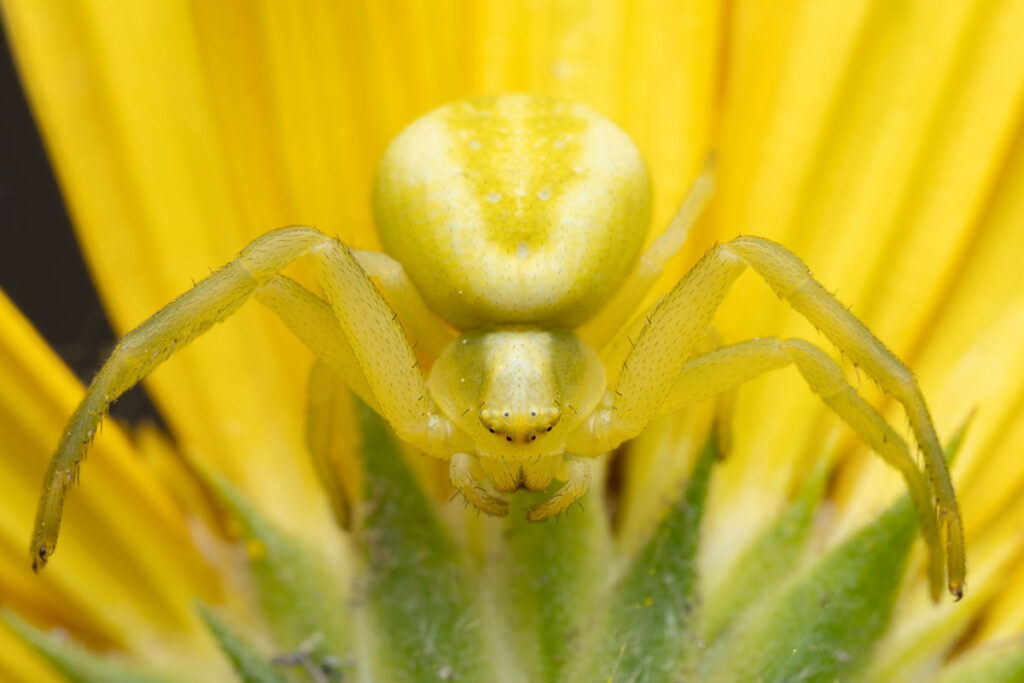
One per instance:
(879, 141)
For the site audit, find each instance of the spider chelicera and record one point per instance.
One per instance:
(520, 220)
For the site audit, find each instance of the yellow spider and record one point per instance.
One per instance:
(519, 220)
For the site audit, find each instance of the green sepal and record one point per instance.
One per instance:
(1004, 665)
(419, 592)
(546, 577)
(766, 562)
(824, 624)
(79, 663)
(250, 665)
(299, 594)
(650, 614)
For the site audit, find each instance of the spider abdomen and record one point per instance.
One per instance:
(513, 209)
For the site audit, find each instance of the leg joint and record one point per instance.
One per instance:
(783, 270)
(822, 373)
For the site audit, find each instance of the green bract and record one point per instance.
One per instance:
(553, 601)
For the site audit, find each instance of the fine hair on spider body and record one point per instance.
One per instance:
(518, 221)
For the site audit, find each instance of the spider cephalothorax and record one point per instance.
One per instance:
(517, 219)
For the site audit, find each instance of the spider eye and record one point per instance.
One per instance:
(549, 428)
(508, 438)
(490, 430)
(533, 437)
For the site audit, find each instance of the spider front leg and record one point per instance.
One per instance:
(312, 320)
(386, 371)
(576, 475)
(671, 331)
(376, 340)
(429, 330)
(466, 475)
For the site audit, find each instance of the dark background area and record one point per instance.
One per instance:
(41, 267)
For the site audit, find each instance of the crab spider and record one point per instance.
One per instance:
(519, 220)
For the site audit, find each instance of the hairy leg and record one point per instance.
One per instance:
(377, 341)
(140, 351)
(790, 278)
(428, 330)
(466, 475)
(576, 476)
(671, 331)
(312, 320)
(725, 368)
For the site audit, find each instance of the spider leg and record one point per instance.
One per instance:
(728, 367)
(790, 278)
(377, 340)
(312, 320)
(577, 483)
(725, 401)
(673, 328)
(659, 346)
(466, 479)
(317, 325)
(430, 331)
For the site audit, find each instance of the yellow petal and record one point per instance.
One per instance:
(875, 139)
(868, 139)
(21, 664)
(125, 106)
(128, 567)
(970, 358)
(174, 146)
